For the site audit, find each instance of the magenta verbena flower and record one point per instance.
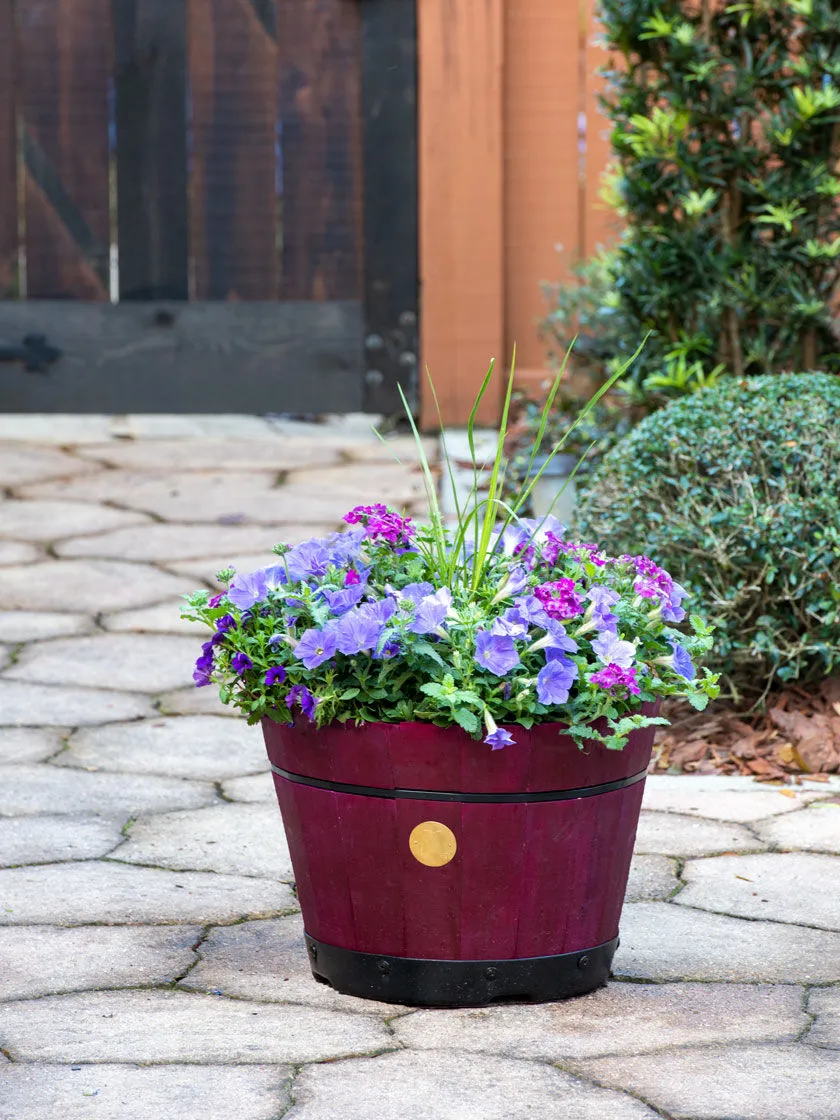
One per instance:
(613, 676)
(352, 578)
(559, 599)
(315, 647)
(382, 524)
(555, 679)
(495, 652)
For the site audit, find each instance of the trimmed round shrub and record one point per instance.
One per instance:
(736, 490)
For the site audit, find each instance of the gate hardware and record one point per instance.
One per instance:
(35, 353)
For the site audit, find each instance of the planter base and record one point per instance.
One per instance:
(430, 983)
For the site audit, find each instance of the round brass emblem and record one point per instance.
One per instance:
(432, 843)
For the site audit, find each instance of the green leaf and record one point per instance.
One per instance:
(466, 719)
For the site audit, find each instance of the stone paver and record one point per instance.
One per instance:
(182, 1026)
(38, 705)
(129, 1092)
(152, 963)
(664, 942)
(16, 552)
(46, 839)
(795, 887)
(674, 835)
(735, 799)
(731, 1083)
(651, 877)
(162, 618)
(43, 788)
(203, 747)
(254, 788)
(45, 960)
(267, 961)
(195, 702)
(88, 585)
(825, 1005)
(168, 456)
(233, 839)
(134, 662)
(29, 626)
(619, 1019)
(226, 499)
(72, 893)
(444, 1086)
(29, 744)
(21, 463)
(815, 829)
(171, 543)
(50, 521)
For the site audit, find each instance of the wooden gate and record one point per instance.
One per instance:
(207, 205)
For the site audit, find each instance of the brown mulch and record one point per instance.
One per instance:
(795, 735)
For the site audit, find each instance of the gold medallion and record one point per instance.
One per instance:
(432, 843)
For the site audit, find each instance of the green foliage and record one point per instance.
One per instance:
(726, 130)
(737, 490)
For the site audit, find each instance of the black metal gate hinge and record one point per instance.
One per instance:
(35, 353)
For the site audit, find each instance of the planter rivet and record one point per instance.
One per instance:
(491, 973)
(384, 966)
(583, 962)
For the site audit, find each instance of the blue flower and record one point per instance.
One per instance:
(413, 592)
(340, 602)
(672, 611)
(499, 738)
(360, 629)
(431, 611)
(682, 662)
(247, 590)
(275, 675)
(613, 651)
(300, 694)
(555, 679)
(315, 647)
(311, 558)
(495, 652)
(240, 663)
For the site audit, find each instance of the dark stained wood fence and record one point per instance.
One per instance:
(156, 155)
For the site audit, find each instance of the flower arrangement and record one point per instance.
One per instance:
(495, 622)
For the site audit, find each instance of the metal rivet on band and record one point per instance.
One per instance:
(432, 844)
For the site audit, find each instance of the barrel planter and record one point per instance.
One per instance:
(433, 871)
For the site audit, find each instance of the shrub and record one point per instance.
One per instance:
(726, 129)
(737, 490)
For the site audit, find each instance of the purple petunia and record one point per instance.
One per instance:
(247, 590)
(308, 559)
(672, 611)
(555, 679)
(225, 623)
(682, 662)
(512, 623)
(215, 600)
(495, 652)
(499, 738)
(360, 629)
(601, 599)
(340, 602)
(275, 675)
(240, 663)
(204, 665)
(613, 651)
(613, 676)
(315, 647)
(300, 694)
(431, 612)
(530, 608)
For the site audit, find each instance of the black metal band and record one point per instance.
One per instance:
(435, 983)
(455, 795)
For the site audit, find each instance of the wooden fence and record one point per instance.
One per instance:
(512, 147)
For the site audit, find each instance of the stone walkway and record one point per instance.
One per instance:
(151, 958)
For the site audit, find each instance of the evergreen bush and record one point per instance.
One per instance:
(737, 490)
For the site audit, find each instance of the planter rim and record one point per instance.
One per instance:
(415, 757)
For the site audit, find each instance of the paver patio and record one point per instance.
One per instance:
(152, 965)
